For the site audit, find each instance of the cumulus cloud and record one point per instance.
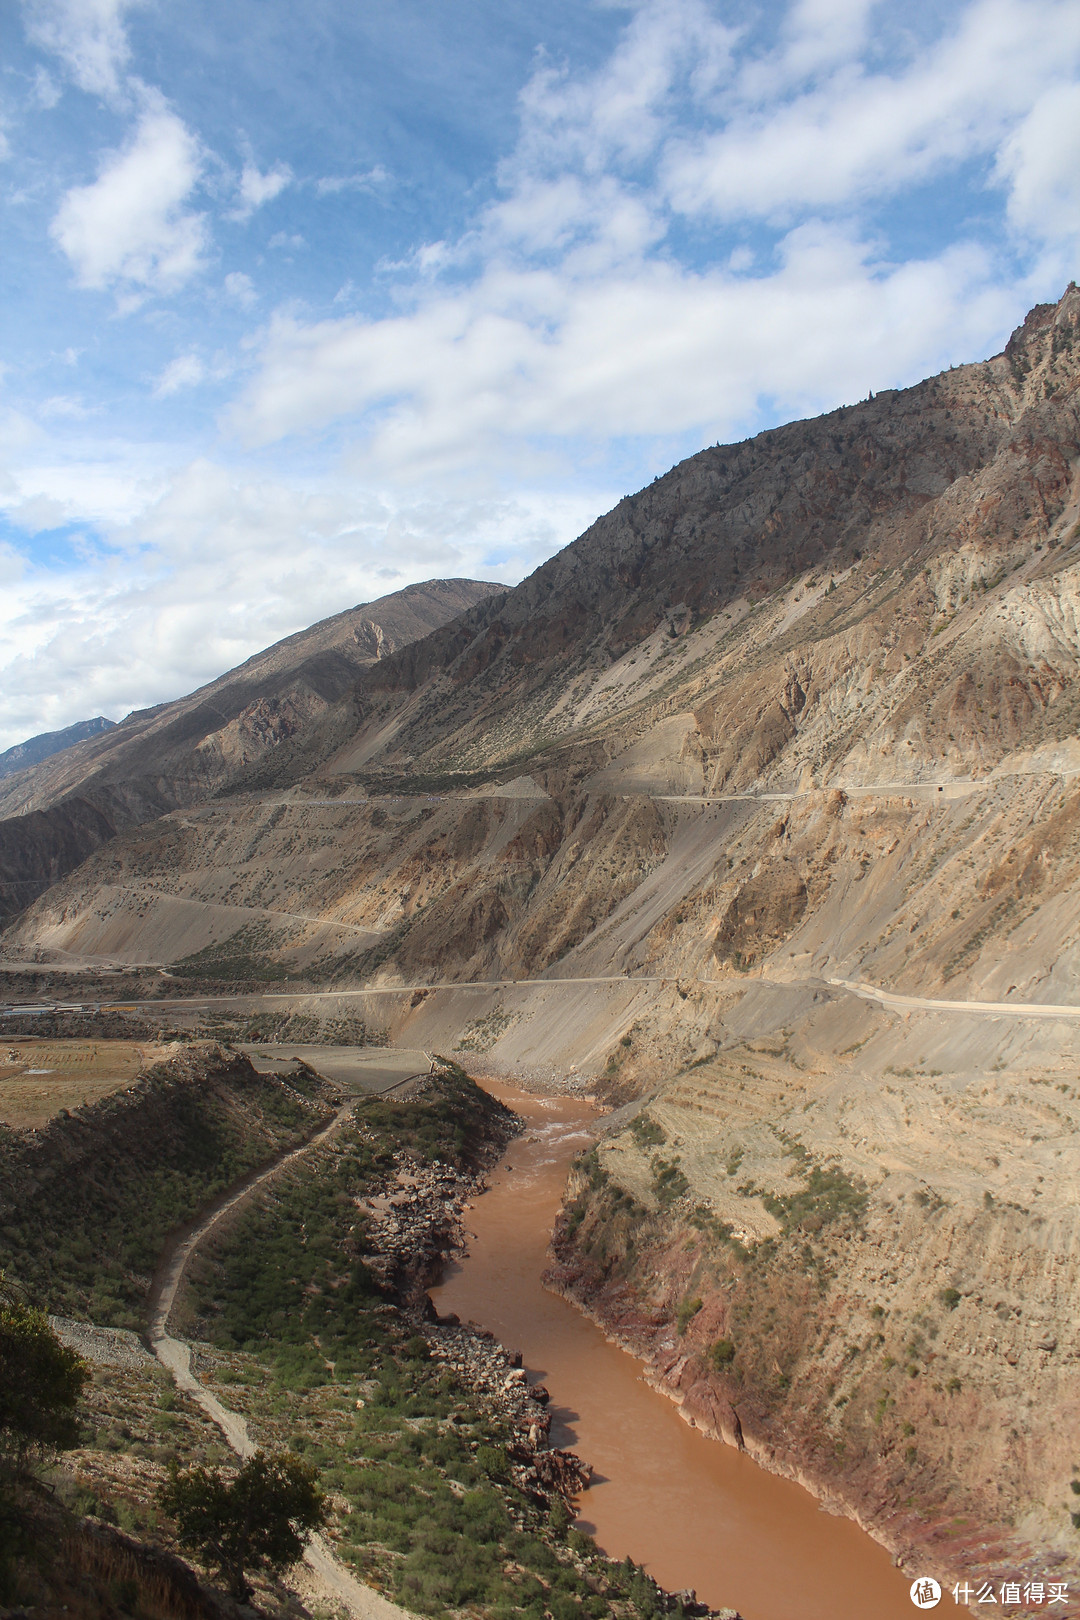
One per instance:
(688, 241)
(564, 311)
(818, 33)
(855, 134)
(130, 227)
(256, 188)
(652, 351)
(89, 38)
(241, 289)
(1040, 165)
(210, 566)
(186, 371)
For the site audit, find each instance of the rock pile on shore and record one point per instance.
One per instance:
(414, 1224)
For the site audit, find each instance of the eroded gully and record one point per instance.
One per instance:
(695, 1512)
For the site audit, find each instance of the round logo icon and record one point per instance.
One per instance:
(925, 1593)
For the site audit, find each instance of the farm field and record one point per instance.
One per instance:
(40, 1077)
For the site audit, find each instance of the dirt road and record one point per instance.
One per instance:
(175, 1356)
(1015, 1009)
(868, 992)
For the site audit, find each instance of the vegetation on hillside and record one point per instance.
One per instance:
(258, 1518)
(87, 1204)
(427, 1476)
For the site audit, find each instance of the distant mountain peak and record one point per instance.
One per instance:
(47, 743)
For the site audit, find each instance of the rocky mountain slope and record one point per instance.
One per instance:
(786, 738)
(54, 812)
(47, 743)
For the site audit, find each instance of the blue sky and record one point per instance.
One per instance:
(303, 303)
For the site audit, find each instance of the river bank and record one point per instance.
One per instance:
(694, 1512)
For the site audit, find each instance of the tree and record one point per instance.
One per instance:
(41, 1381)
(261, 1518)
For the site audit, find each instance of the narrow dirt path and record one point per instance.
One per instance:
(175, 1356)
(995, 1009)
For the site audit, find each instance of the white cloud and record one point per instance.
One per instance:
(618, 114)
(650, 350)
(130, 227)
(857, 134)
(331, 184)
(46, 90)
(818, 33)
(215, 566)
(564, 312)
(63, 405)
(256, 188)
(610, 308)
(88, 36)
(1040, 163)
(186, 371)
(241, 289)
(108, 491)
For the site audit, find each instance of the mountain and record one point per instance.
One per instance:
(55, 812)
(756, 809)
(35, 749)
(884, 595)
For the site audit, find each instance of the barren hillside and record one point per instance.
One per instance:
(769, 783)
(60, 809)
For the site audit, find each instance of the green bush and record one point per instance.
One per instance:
(647, 1132)
(686, 1313)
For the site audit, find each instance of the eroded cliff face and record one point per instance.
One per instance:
(865, 1271)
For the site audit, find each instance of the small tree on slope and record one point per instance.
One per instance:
(261, 1518)
(41, 1381)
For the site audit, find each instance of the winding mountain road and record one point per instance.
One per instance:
(337, 1583)
(857, 987)
(995, 1009)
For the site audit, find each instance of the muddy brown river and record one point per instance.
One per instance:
(694, 1512)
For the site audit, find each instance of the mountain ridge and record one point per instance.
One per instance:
(651, 561)
(46, 743)
(802, 716)
(185, 750)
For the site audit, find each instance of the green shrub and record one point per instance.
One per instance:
(646, 1131)
(686, 1313)
(668, 1181)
